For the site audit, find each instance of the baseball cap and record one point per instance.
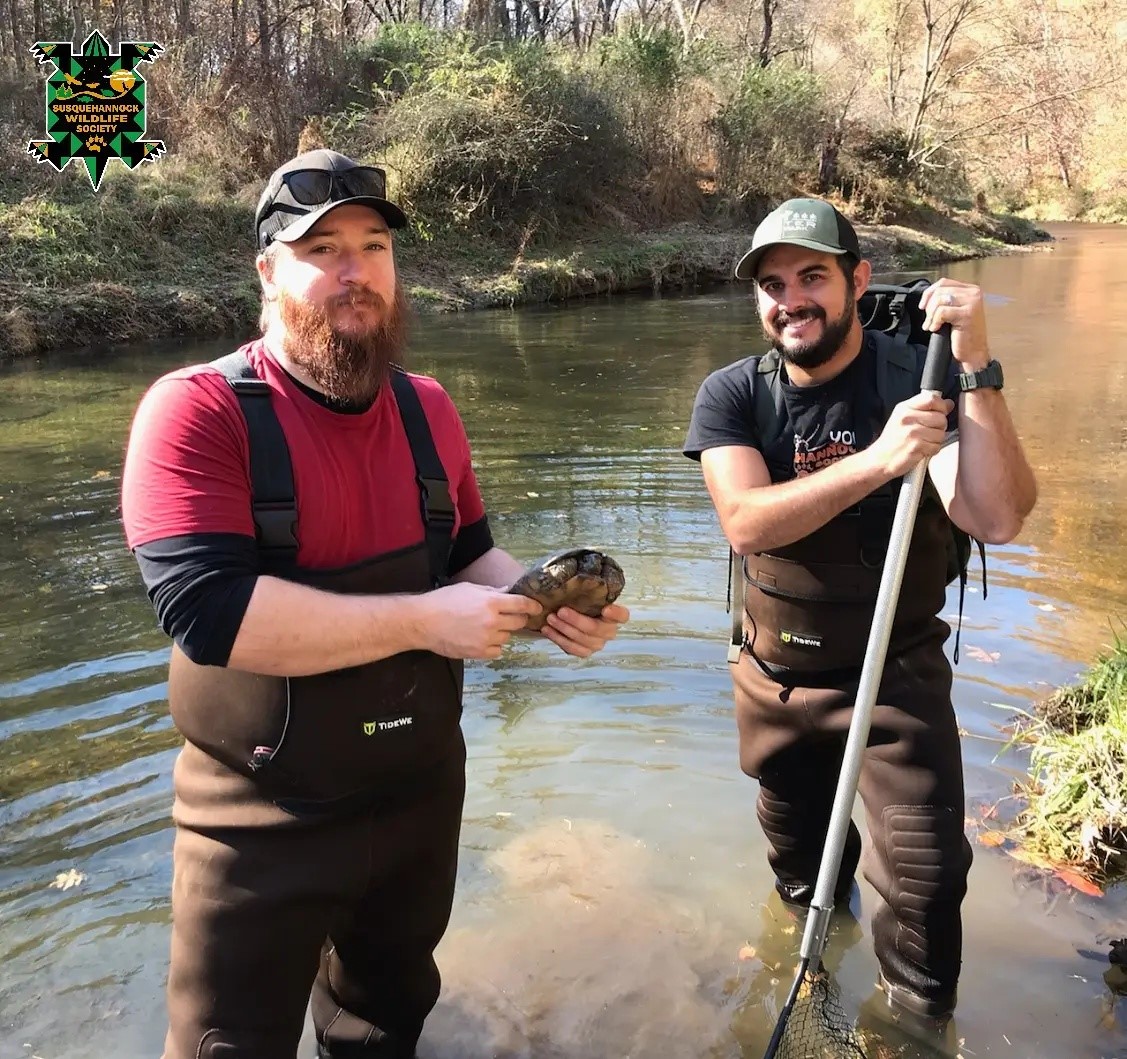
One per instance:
(812, 223)
(300, 192)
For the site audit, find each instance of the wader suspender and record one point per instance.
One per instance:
(436, 504)
(274, 505)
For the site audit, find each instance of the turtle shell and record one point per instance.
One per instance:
(581, 578)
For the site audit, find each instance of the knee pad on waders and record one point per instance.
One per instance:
(918, 933)
(796, 852)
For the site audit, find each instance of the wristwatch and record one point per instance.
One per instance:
(989, 377)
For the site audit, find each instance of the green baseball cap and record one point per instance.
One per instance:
(811, 223)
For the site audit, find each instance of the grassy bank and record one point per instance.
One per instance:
(153, 258)
(1075, 814)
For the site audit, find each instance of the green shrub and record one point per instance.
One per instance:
(504, 137)
(768, 134)
(651, 57)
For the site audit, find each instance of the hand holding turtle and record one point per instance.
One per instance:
(473, 621)
(579, 635)
(576, 590)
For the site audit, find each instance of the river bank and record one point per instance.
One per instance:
(140, 269)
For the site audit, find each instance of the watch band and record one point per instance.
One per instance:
(989, 377)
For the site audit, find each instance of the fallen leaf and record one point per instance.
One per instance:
(992, 838)
(747, 953)
(979, 655)
(1079, 882)
(1026, 857)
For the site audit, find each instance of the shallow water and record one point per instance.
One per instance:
(611, 867)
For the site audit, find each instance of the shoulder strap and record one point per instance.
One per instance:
(434, 488)
(899, 369)
(770, 408)
(273, 503)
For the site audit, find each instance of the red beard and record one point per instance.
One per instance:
(348, 366)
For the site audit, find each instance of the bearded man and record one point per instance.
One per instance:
(802, 455)
(311, 534)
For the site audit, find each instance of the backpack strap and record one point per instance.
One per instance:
(736, 605)
(770, 409)
(273, 503)
(899, 370)
(436, 504)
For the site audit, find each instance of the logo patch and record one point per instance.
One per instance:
(371, 727)
(801, 639)
(95, 105)
(798, 222)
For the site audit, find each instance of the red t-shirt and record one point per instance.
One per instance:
(187, 468)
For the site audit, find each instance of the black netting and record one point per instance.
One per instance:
(818, 1027)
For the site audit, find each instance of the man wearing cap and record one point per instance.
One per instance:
(802, 458)
(311, 534)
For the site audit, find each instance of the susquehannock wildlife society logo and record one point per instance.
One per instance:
(95, 105)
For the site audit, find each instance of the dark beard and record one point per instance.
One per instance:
(820, 351)
(348, 367)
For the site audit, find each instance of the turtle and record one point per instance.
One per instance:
(584, 579)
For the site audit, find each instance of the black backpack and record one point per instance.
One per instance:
(895, 310)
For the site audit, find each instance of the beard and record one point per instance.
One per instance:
(348, 366)
(817, 351)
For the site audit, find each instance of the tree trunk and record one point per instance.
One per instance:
(19, 50)
(768, 28)
(264, 49)
(827, 161)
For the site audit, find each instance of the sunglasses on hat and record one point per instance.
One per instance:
(314, 187)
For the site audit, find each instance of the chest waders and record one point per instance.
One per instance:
(318, 817)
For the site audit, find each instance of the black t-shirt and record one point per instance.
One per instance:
(825, 422)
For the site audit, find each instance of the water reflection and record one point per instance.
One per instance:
(576, 415)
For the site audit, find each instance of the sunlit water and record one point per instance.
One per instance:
(611, 866)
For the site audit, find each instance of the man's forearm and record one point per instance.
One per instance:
(995, 488)
(293, 630)
(771, 516)
(496, 568)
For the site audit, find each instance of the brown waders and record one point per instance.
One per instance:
(808, 610)
(330, 864)
(317, 818)
(792, 737)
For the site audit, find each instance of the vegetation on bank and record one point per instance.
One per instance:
(1075, 801)
(529, 174)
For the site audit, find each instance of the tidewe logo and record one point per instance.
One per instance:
(95, 105)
